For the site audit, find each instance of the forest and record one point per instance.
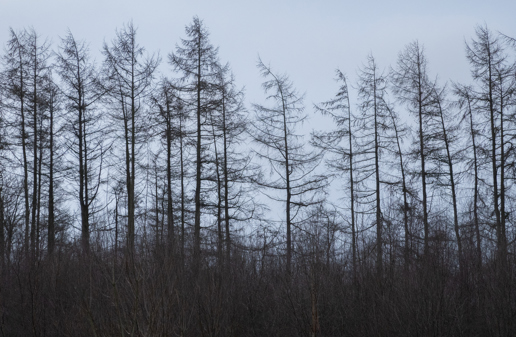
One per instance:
(140, 203)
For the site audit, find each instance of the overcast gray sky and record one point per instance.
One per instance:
(305, 39)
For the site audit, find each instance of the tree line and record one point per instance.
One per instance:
(136, 203)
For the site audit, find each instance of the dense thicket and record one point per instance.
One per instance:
(137, 203)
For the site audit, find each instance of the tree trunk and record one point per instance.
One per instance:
(2, 225)
(226, 182)
(51, 217)
(452, 185)
(132, 173)
(197, 220)
(379, 241)
(503, 238)
(183, 210)
(170, 211)
(219, 198)
(352, 193)
(423, 172)
(496, 194)
(40, 175)
(25, 160)
(35, 164)
(289, 192)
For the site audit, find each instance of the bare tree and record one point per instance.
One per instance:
(400, 132)
(197, 61)
(339, 143)
(239, 205)
(52, 99)
(169, 104)
(413, 88)
(130, 76)
(234, 170)
(467, 104)
(495, 80)
(3, 148)
(445, 132)
(275, 130)
(36, 54)
(15, 81)
(80, 85)
(377, 137)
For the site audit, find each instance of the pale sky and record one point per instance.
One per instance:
(305, 39)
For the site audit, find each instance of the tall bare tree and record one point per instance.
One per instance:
(3, 148)
(233, 171)
(197, 62)
(339, 142)
(130, 76)
(236, 167)
(400, 133)
(38, 53)
(444, 135)
(414, 89)
(80, 84)
(276, 131)
(377, 137)
(16, 88)
(52, 100)
(169, 106)
(494, 76)
(467, 104)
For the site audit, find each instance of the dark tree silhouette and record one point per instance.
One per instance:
(196, 60)
(275, 130)
(414, 89)
(16, 86)
(377, 138)
(129, 78)
(495, 79)
(339, 142)
(81, 88)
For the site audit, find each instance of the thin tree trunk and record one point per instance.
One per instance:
(170, 211)
(24, 150)
(35, 162)
(423, 170)
(51, 217)
(476, 192)
(289, 192)
(40, 174)
(183, 211)
(352, 193)
(130, 233)
(156, 207)
(503, 238)
(2, 224)
(83, 169)
(226, 182)
(496, 194)
(452, 185)
(219, 198)
(197, 220)
(117, 196)
(404, 189)
(132, 173)
(379, 242)
(87, 200)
